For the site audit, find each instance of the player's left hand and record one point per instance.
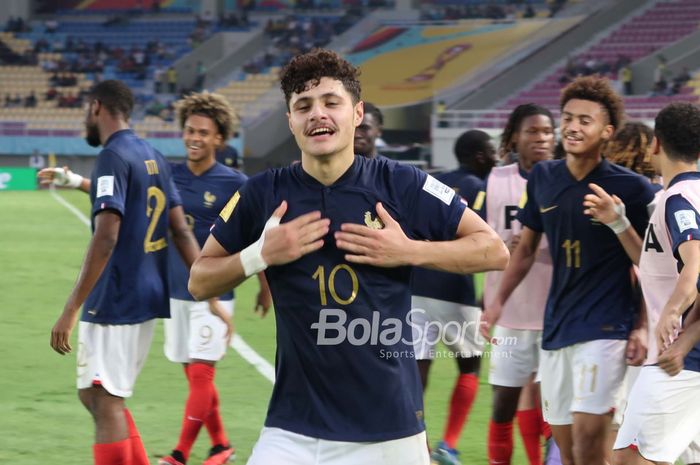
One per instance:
(636, 351)
(386, 247)
(263, 302)
(217, 309)
(667, 329)
(601, 205)
(61, 331)
(671, 360)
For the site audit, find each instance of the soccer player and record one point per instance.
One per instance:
(123, 279)
(528, 138)
(661, 415)
(369, 130)
(194, 335)
(337, 235)
(590, 310)
(444, 308)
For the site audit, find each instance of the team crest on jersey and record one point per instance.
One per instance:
(373, 223)
(209, 199)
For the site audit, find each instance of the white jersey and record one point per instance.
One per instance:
(658, 268)
(505, 193)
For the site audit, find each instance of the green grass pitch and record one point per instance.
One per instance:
(41, 419)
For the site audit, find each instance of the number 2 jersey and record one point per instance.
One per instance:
(674, 221)
(132, 179)
(345, 366)
(591, 295)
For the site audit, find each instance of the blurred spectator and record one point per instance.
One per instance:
(30, 100)
(36, 160)
(51, 26)
(200, 77)
(171, 76)
(626, 79)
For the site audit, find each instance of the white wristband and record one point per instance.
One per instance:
(621, 223)
(251, 257)
(63, 178)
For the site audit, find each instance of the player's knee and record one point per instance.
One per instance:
(505, 403)
(86, 399)
(588, 444)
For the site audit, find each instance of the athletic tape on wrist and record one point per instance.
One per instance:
(67, 178)
(251, 257)
(621, 223)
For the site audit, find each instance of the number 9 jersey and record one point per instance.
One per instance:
(133, 180)
(345, 365)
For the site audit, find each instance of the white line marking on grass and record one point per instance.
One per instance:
(249, 355)
(84, 219)
(237, 343)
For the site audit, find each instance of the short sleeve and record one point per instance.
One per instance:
(241, 221)
(432, 208)
(682, 220)
(111, 177)
(638, 211)
(529, 215)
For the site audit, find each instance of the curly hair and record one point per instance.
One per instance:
(212, 106)
(596, 89)
(629, 146)
(305, 71)
(515, 120)
(677, 127)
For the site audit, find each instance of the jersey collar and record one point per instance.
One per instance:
(687, 176)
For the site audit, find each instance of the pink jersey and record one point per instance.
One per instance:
(505, 193)
(658, 268)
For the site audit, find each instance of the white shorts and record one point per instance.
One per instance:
(581, 378)
(662, 416)
(112, 355)
(278, 446)
(515, 356)
(455, 325)
(623, 394)
(193, 332)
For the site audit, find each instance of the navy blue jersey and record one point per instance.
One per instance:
(591, 296)
(345, 364)
(203, 197)
(439, 285)
(132, 179)
(682, 219)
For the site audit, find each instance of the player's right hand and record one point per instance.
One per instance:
(61, 331)
(294, 239)
(671, 360)
(61, 177)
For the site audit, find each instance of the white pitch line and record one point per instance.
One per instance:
(237, 343)
(251, 356)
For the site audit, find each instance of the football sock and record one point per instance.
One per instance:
(138, 451)
(112, 453)
(214, 424)
(500, 442)
(199, 402)
(462, 399)
(529, 425)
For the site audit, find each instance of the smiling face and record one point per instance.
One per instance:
(585, 127)
(323, 119)
(534, 140)
(201, 138)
